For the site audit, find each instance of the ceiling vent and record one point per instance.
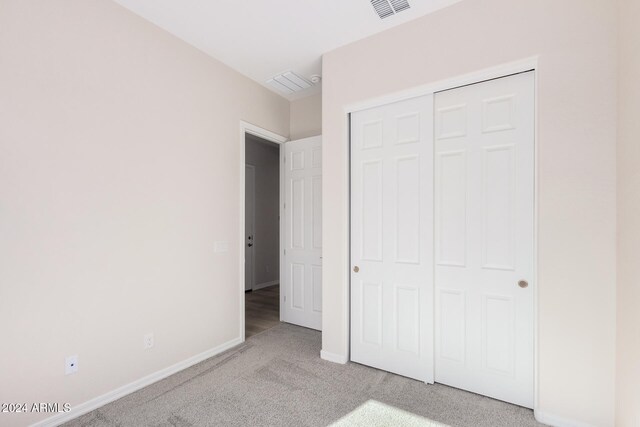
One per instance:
(289, 83)
(386, 8)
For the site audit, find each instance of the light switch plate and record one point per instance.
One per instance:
(222, 246)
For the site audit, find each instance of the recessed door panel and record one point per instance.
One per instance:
(499, 207)
(498, 320)
(451, 121)
(371, 135)
(297, 286)
(408, 210)
(297, 213)
(451, 192)
(450, 324)
(372, 210)
(408, 128)
(408, 318)
(371, 310)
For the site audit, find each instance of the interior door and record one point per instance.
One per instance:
(302, 275)
(249, 226)
(484, 208)
(392, 238)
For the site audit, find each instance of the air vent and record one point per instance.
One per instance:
(386, 8)
(289, 82)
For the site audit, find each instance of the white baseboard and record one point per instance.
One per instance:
(556, 421)
(116, 394)
(333, 357)
(265, 284)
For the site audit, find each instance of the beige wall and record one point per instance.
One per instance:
(119, 169)
(628, 374)
(576, 44)
(306, 117)
(265, 156)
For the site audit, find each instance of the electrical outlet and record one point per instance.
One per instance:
(71, 364)
(148, 341)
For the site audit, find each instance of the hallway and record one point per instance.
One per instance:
(262, 310)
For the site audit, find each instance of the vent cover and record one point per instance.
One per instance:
(386, 8)
(289, 82)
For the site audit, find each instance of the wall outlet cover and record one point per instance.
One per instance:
(148, 341)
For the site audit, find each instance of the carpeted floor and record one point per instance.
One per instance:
(276, 378)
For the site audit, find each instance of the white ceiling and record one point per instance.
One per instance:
(262, 38)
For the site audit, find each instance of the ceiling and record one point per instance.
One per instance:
(262, 38)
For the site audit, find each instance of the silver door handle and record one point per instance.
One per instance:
(523, 284)
(356, 269)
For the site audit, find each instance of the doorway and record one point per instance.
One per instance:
(280, 232)
(262, 234)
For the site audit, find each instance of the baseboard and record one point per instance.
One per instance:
(265, 284)
(333, 357)
(556, 421)
(116, 394)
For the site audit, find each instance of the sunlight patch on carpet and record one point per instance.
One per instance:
(375, 414)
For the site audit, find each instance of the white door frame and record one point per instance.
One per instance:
(248, 128)
(503, 70)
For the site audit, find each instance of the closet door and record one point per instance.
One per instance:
(484, 238)
(392, 238)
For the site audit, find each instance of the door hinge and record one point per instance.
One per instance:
(285, 298)
(285, 251)
(285, 206)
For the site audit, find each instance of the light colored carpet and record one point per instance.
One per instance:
(376, 414)
(277, 378)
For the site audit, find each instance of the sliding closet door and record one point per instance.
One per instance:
(484, 254)
(392, 238)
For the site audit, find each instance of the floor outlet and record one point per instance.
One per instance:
(148, 341)
(71, 364)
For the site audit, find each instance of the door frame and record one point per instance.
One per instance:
(248, 128)
(498, 71)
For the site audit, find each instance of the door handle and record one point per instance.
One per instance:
(356, 269)
(250, 244)
(523, 284)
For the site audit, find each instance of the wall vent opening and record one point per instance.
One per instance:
(386, 8)
(289, 82)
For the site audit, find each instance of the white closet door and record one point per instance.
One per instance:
(392, 238)
(484, 208)
(302, 290)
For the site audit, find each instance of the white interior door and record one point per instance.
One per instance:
(392, 238)
(249, 226)
(484, 208)
(302, 275)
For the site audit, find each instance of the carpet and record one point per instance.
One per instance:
(276, 378)
(376, 414)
